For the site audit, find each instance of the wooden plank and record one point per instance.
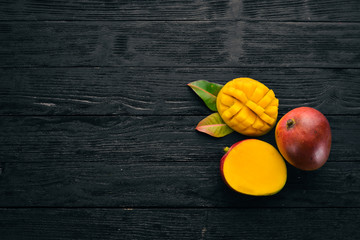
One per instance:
(98, 223)
(284, 224)
(163, 90)
(179, 43)
(278, 10)
(137, 139)
(166, 184)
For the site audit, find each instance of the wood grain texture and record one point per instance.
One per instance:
(97, 224)
(289, 224)
(276, 10)
(166, 184)
(163, 90)
(190, 43)
(97, 135)
(261, 224)
(137, 139)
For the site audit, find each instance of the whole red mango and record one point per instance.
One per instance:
(303, 137)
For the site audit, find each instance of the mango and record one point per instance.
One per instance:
(248, 106)
(253, 167)
(303, 137)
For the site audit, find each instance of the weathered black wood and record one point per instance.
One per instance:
(163, 90)
(284, 224)
(166, 184)
(98, 223)
(290, 10)
(277, 224)
(137, 139)
(178, 43)
(97, 135)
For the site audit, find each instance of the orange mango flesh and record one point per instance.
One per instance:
(254, 167)
(248, 106)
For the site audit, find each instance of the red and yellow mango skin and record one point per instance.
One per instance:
(303, 137)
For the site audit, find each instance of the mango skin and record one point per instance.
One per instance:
(303, 137)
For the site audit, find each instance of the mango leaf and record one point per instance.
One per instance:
(207, 91)
(214, 126)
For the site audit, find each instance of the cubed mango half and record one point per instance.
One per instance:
(248, 106)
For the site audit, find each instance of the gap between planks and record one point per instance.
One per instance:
(181, 20)
(170, 67)
(130, 208)
(245, 20)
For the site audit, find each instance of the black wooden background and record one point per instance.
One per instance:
(97, 135)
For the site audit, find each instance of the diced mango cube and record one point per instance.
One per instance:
(240, 95)
(241, 116)
(228, 90)
(267, 118)
(221, 107)
(255, 108)
(234, 109)
(274, 102)
(227, 100)
(246, 116)
(271, 110)
(266, 100)
(249, 88)
(250, 104)
(226, 116)
(257, 95)
(258, 124)
(235, 123)
(250, 119)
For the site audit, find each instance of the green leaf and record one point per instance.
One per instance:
(214, 126)
(207, 91)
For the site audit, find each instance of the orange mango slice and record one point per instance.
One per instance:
(248, 106)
